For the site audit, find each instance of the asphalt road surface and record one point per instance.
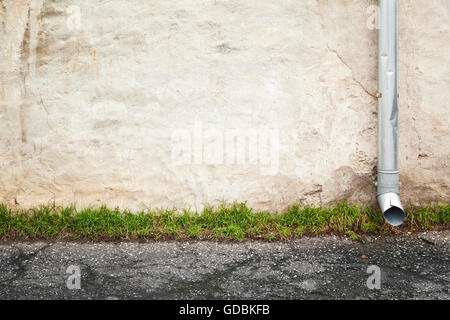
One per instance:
(397, 267)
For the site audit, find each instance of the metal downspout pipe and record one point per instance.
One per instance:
(388, 178)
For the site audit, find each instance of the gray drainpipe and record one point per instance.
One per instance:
(388, 180)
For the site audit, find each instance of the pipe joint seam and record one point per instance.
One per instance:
(387, 183)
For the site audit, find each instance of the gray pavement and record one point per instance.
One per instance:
(412, 267)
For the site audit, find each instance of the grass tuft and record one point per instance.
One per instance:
(234, 221)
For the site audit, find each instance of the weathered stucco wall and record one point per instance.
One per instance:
(136, 103)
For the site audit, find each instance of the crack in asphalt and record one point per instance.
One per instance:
(21, 258)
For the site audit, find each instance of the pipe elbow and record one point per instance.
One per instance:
(391, 208)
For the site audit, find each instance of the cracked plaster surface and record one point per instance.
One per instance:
(89, 114)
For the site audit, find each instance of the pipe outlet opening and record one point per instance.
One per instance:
(391, 208)
(394, 216)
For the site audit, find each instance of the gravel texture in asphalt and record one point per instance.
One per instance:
(413, 266)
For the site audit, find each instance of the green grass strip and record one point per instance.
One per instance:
(234, 221)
